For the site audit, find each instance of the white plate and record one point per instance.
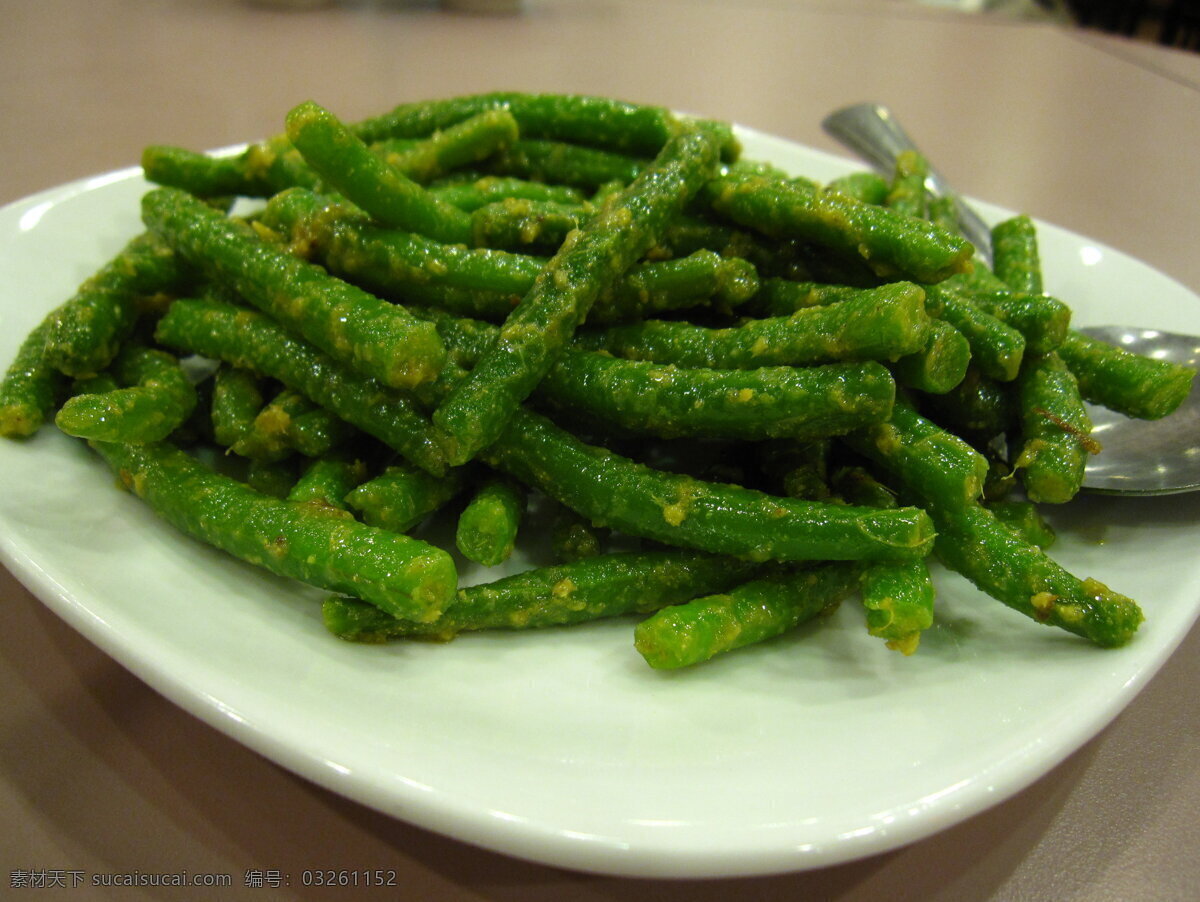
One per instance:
(564, 747)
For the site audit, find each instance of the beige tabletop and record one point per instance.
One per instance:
(99, 774)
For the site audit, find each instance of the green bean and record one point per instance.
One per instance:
(258, 171)
(266, 438)
(380, 258)
(978, 408)
(701, 278)
(561, 163)
(403, 576)
(881, 324)
(484, 282)
(251, 340)
(85, 333)
(327, 481)
(1055, 430)
(906, 192)
(783, 297)
(483, 190)
(898, 597)
(797, 469)
(894, 246)
(1043, 320)
(1016, 261)
(572, 537)
(204, 175)
(402, 496)
(236, 401)
(698, 630)
(487, 527)
(527, 226)
(30, 389)
(607, 586)
(318, 431)
(942, 467)
(996, 347)
(1024, 518)
(939, 366)
(670, 401)
(611, 490)
(274, 478)
(462, 144)
(359, 329)
(1132, 384)
(392, 198)
(158, 400)
(475, 411)
(971, 541)
(857, 485)
(601, 121)
(863, 186)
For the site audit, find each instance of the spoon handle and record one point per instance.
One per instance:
(871, 131)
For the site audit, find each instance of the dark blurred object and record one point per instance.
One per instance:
(1175, 23)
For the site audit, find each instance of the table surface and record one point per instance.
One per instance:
(99, 774)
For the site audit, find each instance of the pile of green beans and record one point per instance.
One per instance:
(688, 387)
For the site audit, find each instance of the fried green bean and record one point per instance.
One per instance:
(863, 185)
(767, 402)
(403, 576)
(978, 408)
(274, 478)
(882, 324)
(996, 347)
(86, 332)
(317, 432)
(611, 490)
(487, 527)
(1024, 518)
(483, 282)
(31, 387)
(1132, 384)
(940, 365)
(158, 399)
(572, 537)
(942, 467)
(797, 469)
(1016, 261)
(604, 122)
(402, 496)
(266, 437)
(894, 246)
(562, 163)
(475, 411)
(898, 597)
(610, 585)
(258, 171)
(971, 541)
(698, 630)
(462, 144)
(1055, 429)
(478, 192)
(392, 198)
(1043, 320)
(251, 340)
(381, 339)
(327, 481)
(526, 226)
(236, 401)
(906, 191)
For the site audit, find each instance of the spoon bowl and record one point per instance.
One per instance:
(1138, 457)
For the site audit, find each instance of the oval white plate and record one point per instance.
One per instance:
(563, 747)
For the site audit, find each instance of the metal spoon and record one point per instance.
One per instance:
(1140, 457)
